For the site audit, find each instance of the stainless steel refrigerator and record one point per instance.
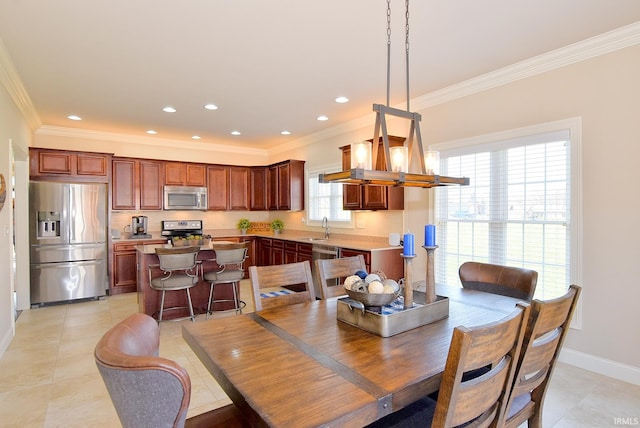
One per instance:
(68, 241)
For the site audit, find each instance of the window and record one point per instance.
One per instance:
(522, 207)
(325, 199)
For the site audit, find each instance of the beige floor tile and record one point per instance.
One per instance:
(48, 376)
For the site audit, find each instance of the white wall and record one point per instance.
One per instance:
(14, 140)
(604, 92)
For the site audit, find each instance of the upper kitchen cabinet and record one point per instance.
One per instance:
(286, 186)
(64, 165)
(372, 197)
(185, 174)
(228, 188)
(136, 184)
(258, 188)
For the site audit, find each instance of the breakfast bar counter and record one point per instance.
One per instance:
(149, 299)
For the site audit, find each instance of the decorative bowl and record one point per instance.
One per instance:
(371, 299)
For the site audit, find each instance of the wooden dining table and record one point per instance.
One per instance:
(299, 366)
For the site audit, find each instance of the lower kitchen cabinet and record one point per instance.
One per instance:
(387, 261)
(124, 272)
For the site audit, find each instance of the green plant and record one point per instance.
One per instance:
(277, 225)
(243, 223)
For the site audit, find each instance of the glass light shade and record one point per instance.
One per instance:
(361, 155)
(399, 159)
(432, 162)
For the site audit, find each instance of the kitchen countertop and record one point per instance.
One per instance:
(354, 242)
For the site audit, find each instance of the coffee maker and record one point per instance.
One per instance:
(139, 227)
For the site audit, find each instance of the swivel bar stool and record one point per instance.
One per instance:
(229, 258)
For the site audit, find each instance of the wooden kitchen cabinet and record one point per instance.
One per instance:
(136, 184)
(239, 188)
(185, 174)
(372, 197)
(124, 267)
(258, 188)
(388, 261)
(286, 186)
(228, 188)
(64, 165)
(217, 187)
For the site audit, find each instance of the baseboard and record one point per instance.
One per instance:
(603, 366)
(5, 341)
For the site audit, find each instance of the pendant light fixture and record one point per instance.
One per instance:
(364, 154)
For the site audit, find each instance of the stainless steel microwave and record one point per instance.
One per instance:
(185, 198)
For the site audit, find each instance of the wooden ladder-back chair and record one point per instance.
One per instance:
(149, 391)
(546, 330)
(330, 269)
(505, 280)
(293, 278)
(478, 402)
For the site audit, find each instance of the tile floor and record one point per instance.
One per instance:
(48, 376)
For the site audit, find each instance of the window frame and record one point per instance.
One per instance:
(574, 128)
(312, 173)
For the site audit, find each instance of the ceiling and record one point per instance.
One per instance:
(268, 65)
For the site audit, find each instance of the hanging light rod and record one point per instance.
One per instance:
(363, 173)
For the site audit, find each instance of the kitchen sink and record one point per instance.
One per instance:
(314, 239)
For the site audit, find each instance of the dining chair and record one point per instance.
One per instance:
(505, 280)
(149, 391)
(335, 269)
(230, 259)
(179, 272)
(291, 283)
(480, 401)
(546, 330)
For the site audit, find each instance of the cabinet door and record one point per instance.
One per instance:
(123, 184)
(50, 162)
(239, 188)
(174, 173)
(284, 195)
(124, 272)
(92, 164)
(264, 252)
(351, 193)
(258, 190)
(218, 187)
(195, 175)
(277, 252)
(295, 199)
(151, 180)
(272, 190)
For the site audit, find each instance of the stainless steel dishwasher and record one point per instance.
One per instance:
(322, 251)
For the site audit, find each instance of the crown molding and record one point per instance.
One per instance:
(611, 41)
(155, 142)
(13, 84)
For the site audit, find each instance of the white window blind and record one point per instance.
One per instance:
(325, 199)
(517, 210)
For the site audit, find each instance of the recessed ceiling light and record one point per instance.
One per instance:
(342, 100)
(235, 132)
(196, 137)
(211, 107)
(286, 132)
(323, 118)
(152, 132)
(169, 109)
(74, 117)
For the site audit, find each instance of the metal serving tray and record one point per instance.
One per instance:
(389, 324)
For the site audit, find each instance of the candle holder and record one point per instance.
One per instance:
(408, 289)
(430, 291)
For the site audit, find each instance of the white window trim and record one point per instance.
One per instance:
(319, 169)
(574, 125)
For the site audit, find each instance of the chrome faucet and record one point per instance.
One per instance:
(325, 224)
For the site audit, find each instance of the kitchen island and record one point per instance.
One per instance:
(149, 299)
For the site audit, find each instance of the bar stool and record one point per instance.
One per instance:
(229, 258)
(179, 272)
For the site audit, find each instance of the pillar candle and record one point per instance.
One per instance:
(430, 235)
(408, 249)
